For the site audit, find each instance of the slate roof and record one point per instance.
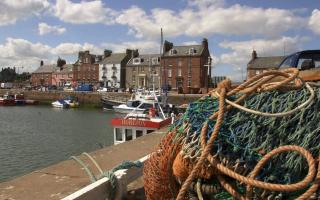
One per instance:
(66, 68)
(147, 58)
(114, 58)
(271, 62)
(46, 69)
(184, 50)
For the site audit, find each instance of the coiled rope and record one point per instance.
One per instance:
(256, 84)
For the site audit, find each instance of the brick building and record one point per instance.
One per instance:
(112, 69)
(258, 65)
(185, 68)
(142, 71)
(86, 68)
(63, 75)
(43, 75)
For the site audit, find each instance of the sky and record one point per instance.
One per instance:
(34, 30)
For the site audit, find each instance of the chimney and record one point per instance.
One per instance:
(205, 43)
(135, 53)
(41, 63)
(167, 46)
(254, 55)
(107, 53)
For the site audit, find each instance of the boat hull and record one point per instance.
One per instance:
(128, 110)
(7, 102)
(108, 104)
(20, 102)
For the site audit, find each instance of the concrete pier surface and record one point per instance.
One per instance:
(60, 180)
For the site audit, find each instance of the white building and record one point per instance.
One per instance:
(112, 69)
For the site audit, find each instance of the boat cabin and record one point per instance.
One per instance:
(136, 125)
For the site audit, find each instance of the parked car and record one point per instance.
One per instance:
(308, 63)
(84, 88)
(102, 90)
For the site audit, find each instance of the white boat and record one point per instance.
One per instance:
(60, 104)
(136, 124)
(129, 107)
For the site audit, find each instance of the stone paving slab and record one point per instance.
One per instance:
(64, 178)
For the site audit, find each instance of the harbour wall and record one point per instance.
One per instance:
(94, 98)
(62, 179)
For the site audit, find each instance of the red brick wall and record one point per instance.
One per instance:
(198, 75)
(89, 73)
(44, 79)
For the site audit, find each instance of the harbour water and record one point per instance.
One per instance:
(36, 136)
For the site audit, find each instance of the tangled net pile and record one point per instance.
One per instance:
(217, 151)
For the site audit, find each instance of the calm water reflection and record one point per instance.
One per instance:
(36, 136)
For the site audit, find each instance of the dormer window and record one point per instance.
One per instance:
(173, 51)
(155, 61)
(192, 51)
(136, 61)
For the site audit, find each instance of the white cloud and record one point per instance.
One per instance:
(204, 17)
(21, 52)
(84, 12)
(11, 11)
(314, 21)
(46, 29)
(235, 62)
(143, 46)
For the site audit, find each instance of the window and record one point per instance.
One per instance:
(316, 60)
(169, 82)
(118, 134)
(169, 73)
(192, 51)
(78, 68)
(136, 61)
(86, 60)
(305, 62)
(173, 52)
(128, 134)
(139, 133)
(134, 69)
(179, 62)
(288, 62)
(189, 83)
(155, 61)
(142, 68)
(179, 72)
(133, 78)
(149, 131)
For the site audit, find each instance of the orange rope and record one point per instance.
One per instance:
(256, 84)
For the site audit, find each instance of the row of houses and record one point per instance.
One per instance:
(185, 68)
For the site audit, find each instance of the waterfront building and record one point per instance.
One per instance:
(142, 71)
(185, 68)
(63, 75)
(112, 69)
(43, 75)
(257, 65)
(86, 68)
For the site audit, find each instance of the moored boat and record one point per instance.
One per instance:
(7, 100)
(19, 99)
(135, 124)
(132, 105)
(60, 104)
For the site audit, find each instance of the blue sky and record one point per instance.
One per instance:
(34, 30)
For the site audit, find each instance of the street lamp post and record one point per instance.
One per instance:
(208, 65)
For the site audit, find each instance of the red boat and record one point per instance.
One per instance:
(7, 100)
(135, 125)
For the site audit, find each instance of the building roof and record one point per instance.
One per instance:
(147, 58)
(114, 58)
(46, 69)
(65, 68)
(265, 62)
(184, 50)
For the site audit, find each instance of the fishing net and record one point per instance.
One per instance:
(252, 156)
